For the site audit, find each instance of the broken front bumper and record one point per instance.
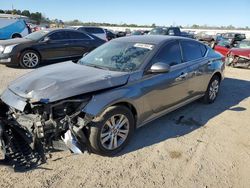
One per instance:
(234, 60)
(23, 146)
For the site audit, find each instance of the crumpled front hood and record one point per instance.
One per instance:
(65, 80)
(241, 52)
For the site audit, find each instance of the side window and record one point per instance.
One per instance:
(78, 35)
(82, 29)
(94, 30)
(203, 50)
(60, 35)
(170, 54)
(191, 50)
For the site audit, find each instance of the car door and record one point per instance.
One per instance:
(193, 55)
(55, 46)
(80, 43)
(164, 90)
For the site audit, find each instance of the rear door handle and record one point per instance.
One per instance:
(182, 76)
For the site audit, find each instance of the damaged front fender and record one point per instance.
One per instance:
(13, 100)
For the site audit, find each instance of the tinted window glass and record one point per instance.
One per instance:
(94, 30)
(191, 50)
(170, 54)
(60, 35)
(78, 35)
(203, 50)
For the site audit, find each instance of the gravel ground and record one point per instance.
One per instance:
(209, 147)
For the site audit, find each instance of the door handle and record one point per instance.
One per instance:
(182, 76)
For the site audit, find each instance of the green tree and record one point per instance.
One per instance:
(36, 17)
(26, 13)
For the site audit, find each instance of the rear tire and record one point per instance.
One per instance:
(29, 59)
(212, 90)
(16, 35)
(111, 131)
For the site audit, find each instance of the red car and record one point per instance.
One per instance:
(239, 55)
(223, 46)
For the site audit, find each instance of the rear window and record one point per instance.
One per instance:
(191, 50)
(93, 30)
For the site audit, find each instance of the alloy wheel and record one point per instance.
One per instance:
(214, 89)
(114, 132)
(30, 60)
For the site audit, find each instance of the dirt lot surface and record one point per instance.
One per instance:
(208, 147)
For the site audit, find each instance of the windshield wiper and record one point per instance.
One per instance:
(97, 66)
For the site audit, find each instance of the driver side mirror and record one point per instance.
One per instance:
(159, 68)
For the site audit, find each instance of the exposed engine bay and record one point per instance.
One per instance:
(28, 136)
(238, 61)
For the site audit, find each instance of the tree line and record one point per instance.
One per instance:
(35, 16)
(39, 18)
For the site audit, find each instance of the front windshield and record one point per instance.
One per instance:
(37, 35)
(244, 44)
(225, 42)
(118, 56)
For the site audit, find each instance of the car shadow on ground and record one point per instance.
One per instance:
(190, 117)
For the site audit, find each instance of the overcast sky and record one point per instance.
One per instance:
(160, 12)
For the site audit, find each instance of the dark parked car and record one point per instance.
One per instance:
(96, 31)
(172, 31)
(234, 36)
(113, 90)
(137, 32)
(47, 45)
(110, 34)
(121, 34)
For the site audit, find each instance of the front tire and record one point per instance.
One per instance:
(29, 59)
(111, 132)
(212, 90)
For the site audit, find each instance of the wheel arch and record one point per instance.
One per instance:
(217, 74)
(18, 34)
(129, 106)
(32, 49)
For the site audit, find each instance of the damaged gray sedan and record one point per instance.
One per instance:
(96, 104)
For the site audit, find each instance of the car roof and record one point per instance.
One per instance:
(150, 39)
(78, 26)
(60, 29)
